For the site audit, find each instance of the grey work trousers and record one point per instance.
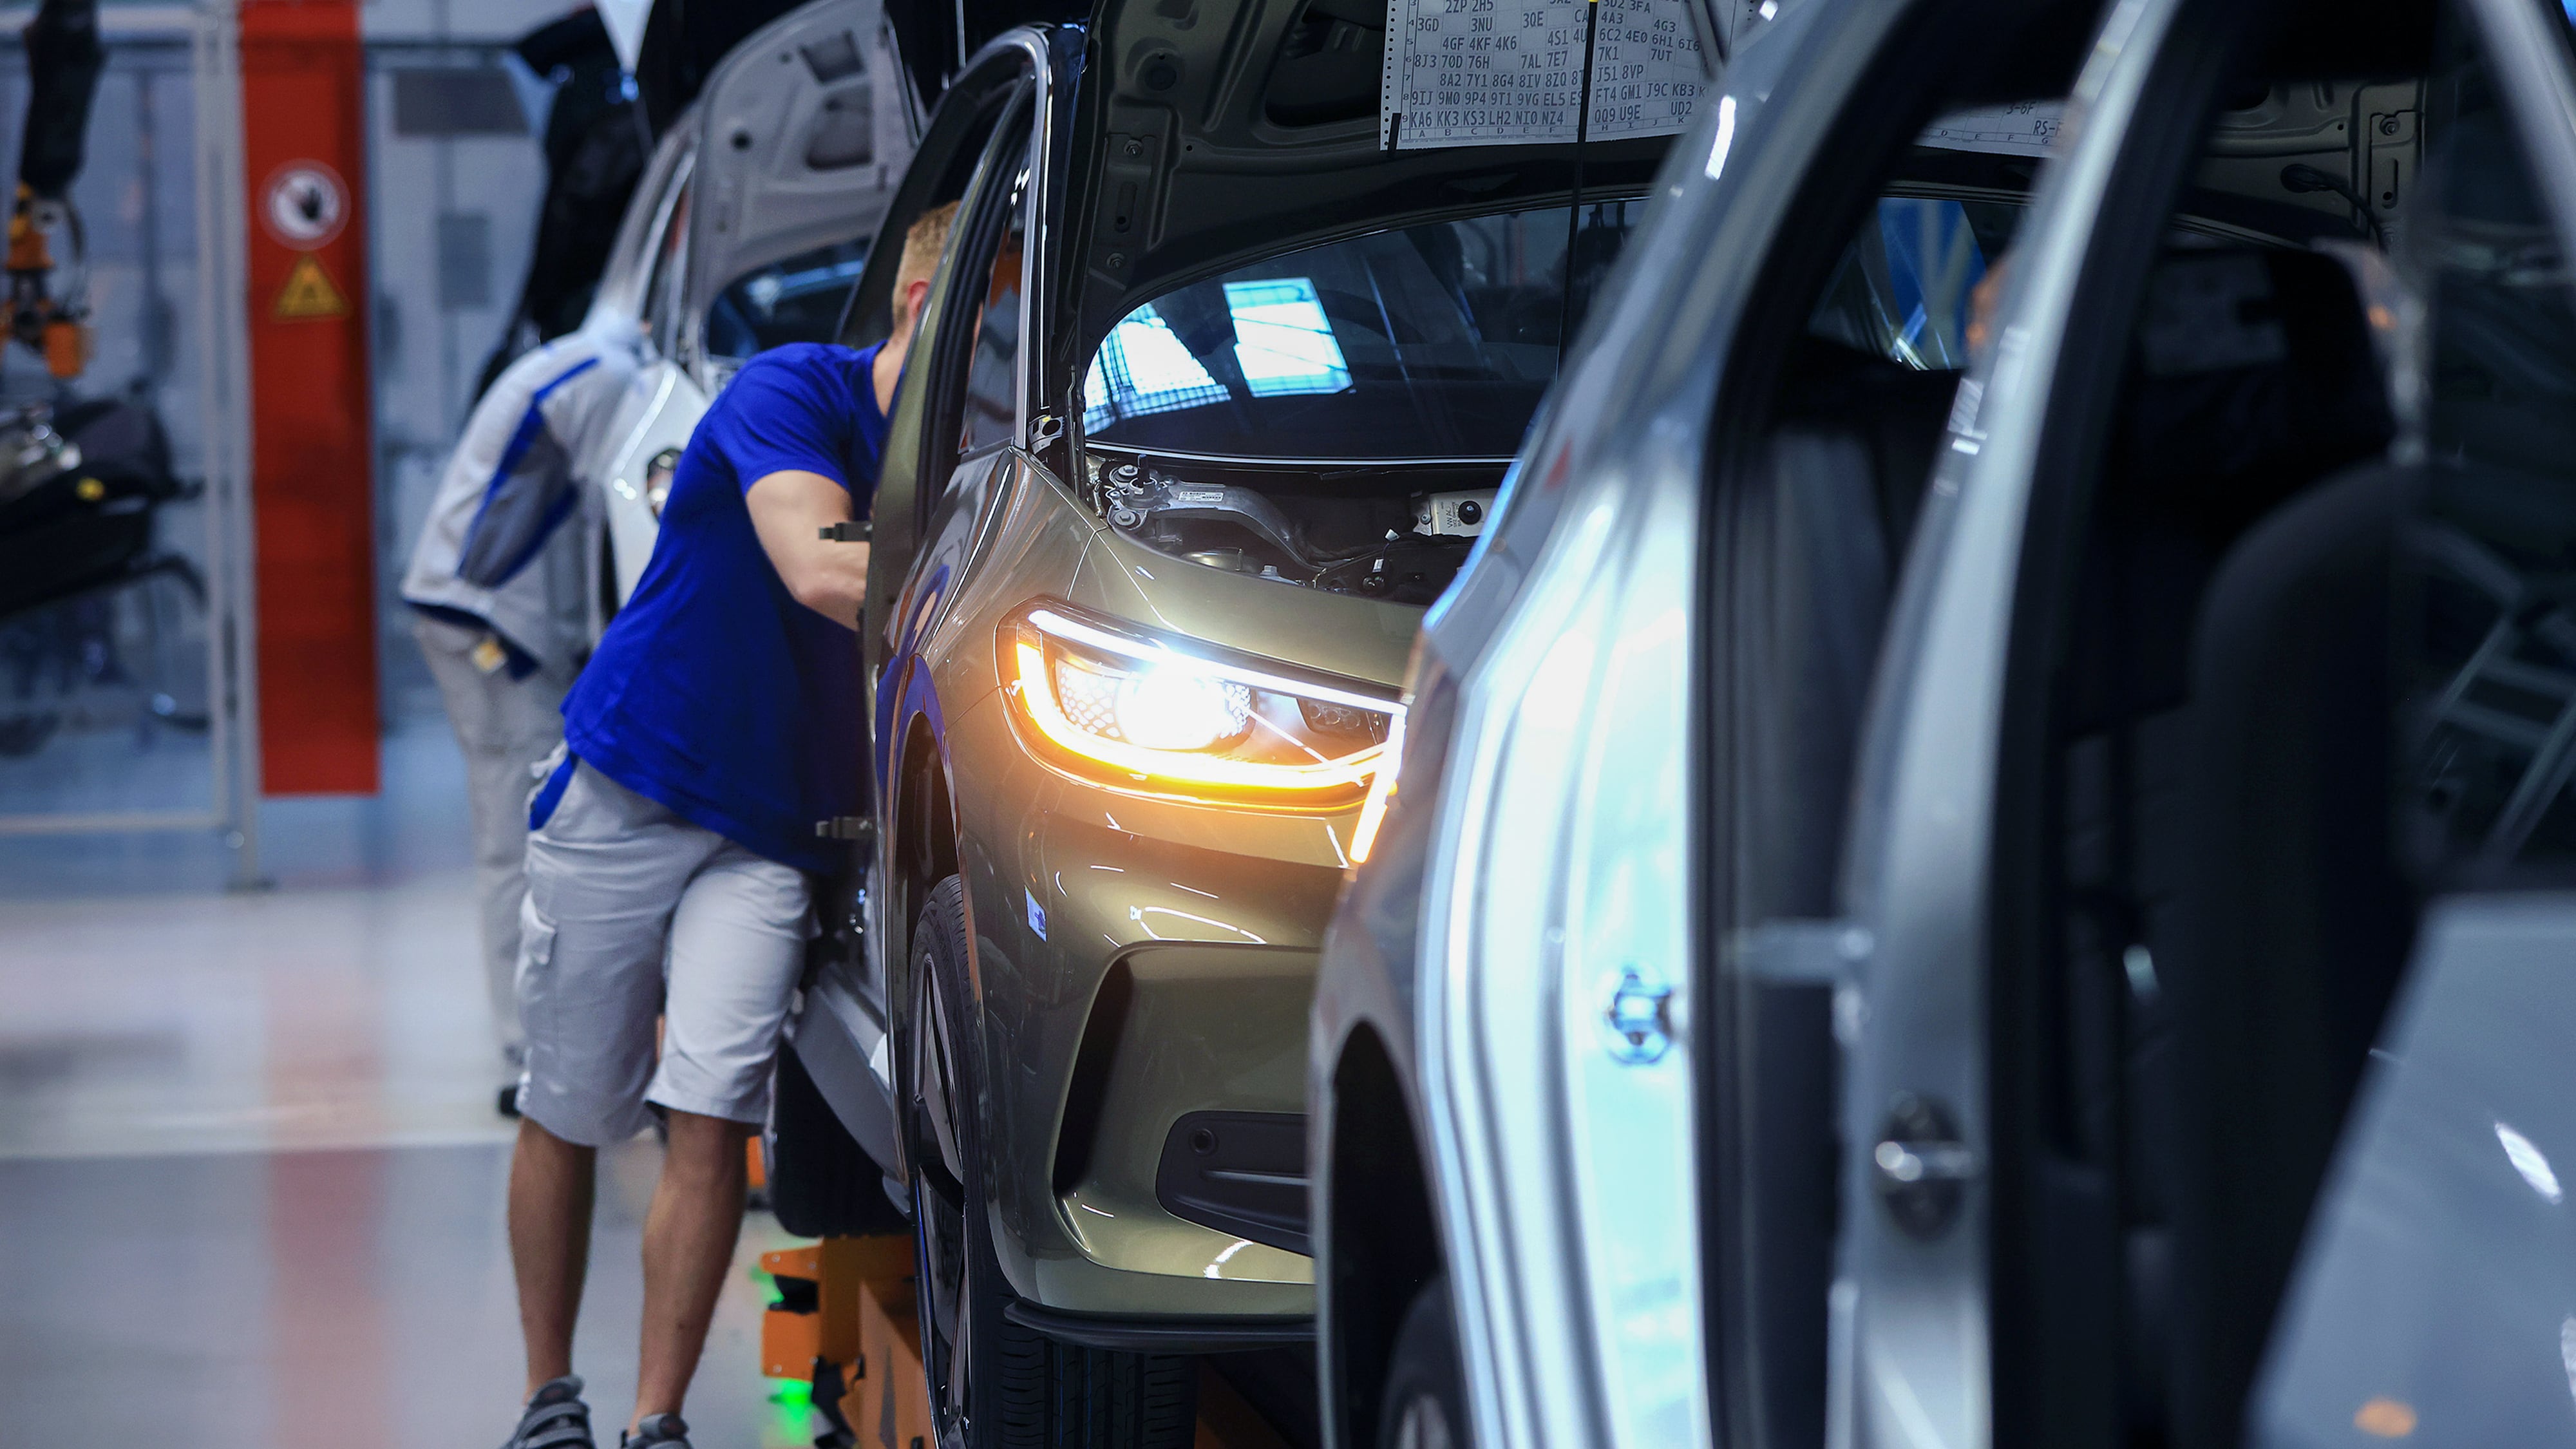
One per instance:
(507, 727)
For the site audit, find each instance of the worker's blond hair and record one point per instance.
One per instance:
(922, 243)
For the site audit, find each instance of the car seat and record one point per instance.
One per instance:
(2294, 919)
(2252, 382)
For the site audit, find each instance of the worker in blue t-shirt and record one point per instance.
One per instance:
(719, 719)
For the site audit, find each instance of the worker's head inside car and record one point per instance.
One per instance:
(923, 241)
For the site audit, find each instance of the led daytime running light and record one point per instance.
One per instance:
(1029, 683)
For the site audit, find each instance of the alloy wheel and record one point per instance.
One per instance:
(940, 1218)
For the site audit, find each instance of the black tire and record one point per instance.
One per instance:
(1425, 1405)
(822, 1184)
(1020, 1389)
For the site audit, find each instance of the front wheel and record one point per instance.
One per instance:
(993, 1383)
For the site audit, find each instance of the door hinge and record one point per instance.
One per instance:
(1044, 432)
(1923, 1169)
(845, 827)
(853, 531)
(1800, 952)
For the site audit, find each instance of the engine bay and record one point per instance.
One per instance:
(1398, 532)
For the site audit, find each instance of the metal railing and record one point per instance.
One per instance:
(210, 36)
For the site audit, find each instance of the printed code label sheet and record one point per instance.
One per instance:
(1646, 76)
(1482, 72)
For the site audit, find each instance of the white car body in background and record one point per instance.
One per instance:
(748, 230)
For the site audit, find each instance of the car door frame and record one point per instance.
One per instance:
(900, 509)
(1012, 76)
(1940, 830)
(630, 258)
(1910, 1318)
(848, 1045)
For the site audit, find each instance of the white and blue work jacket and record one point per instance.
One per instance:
(500, 548)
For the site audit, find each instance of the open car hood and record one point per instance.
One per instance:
(1209, 135)
(804, 137)
(672, 47)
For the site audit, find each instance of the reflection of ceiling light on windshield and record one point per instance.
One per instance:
(1142, 368)
(1282, 340)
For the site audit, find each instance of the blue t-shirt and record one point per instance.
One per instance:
(714, 691)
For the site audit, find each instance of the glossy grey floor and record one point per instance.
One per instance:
(250, 1178)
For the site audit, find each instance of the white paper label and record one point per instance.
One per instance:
(2027, 128)
(1481, 72)
(1646, 76)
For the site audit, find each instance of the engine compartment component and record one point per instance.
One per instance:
(1393, 533)
(1453, 515)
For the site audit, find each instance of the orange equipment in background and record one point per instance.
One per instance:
(57, 327)
(312, 459)
(844, 1323)
(64, 59)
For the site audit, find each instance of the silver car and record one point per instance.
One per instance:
(1984, 854)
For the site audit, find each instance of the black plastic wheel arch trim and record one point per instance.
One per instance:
(1162, 1335)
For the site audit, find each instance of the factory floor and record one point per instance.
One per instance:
(250, 1174)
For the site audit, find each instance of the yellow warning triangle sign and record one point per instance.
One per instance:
(308, 294)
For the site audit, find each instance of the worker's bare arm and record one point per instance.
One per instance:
(789, 510)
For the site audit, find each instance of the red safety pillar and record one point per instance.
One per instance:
(312, 449)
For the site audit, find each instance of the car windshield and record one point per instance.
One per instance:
(1431, 341)
(798, 299)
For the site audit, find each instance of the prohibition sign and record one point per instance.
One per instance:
(304, 204)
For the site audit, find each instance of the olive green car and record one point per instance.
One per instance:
(1211, 397)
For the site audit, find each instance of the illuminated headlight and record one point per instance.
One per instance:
(657, 478)
(1141, 711)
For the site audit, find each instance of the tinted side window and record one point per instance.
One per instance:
(992, 372)
(1906, 289)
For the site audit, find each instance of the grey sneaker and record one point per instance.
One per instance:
(664, 1430)
(556, 1419)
